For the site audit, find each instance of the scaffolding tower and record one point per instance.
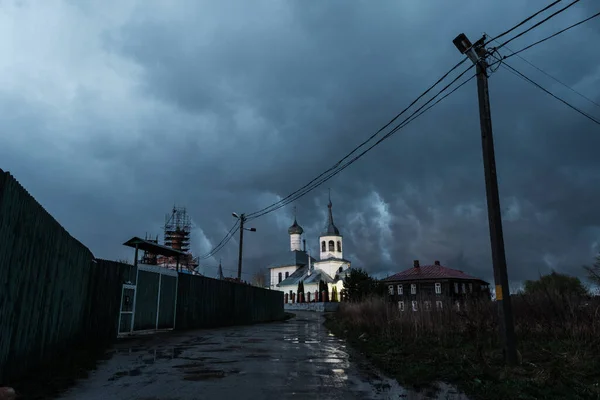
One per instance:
(177, 230)
(178, 227)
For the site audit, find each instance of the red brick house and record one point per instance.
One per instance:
(434, 286)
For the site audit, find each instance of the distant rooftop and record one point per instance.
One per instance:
(435, 271)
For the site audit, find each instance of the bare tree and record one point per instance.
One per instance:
(258, 279)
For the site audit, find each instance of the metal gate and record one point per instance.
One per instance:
(150, 303)
(127, 308)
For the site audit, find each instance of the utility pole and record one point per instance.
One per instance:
(242, 220)
(477, 54)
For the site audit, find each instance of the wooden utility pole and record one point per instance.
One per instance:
(242, 220)
(477, 54)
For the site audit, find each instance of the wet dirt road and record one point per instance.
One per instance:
(295, 359)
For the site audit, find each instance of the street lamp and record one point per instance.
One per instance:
(242, 219)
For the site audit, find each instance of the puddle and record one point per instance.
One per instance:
(208, 374)
(120, 374)
(253, 340)
(260, 356)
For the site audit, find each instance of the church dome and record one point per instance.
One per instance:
(295, 229)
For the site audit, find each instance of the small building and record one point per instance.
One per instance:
(434, 286)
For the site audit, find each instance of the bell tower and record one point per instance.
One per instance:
(330, 240)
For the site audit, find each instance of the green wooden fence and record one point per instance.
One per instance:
(205, 302)
(53, 294)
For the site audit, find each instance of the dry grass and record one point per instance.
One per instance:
(558, 340)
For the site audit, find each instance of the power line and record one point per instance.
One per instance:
(335, 169)
(537, 24)
(222, 243)
(553, 35)
(364, 142)
(514, 53)
(401, 125)
(286, 200)
(523, 22)
(552, 77)
(521, 75)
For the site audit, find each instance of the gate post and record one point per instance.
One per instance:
(158, 300)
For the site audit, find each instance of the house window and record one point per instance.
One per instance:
(339, 246)
(413, 288)
(280, 276)
(427, 305)
(331, 245)
(323, 248)
(400, 289)
(457, 306)
(391, 289)
(464, 288)
(470, 288)
(438, 288)
(455, 287)
(401, 305)
(438, 304)
(414, 305)
(287, 274)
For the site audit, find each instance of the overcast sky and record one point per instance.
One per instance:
(114, 110)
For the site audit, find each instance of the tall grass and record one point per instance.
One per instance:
(544, 315)
(558, 338)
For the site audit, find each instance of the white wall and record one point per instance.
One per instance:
(331, 267)
(295, 242)
(274, 275)
(330, 254)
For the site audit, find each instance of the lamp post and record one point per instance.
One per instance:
(242, 218)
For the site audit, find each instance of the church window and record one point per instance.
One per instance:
(287, 273)
(323, 249)
(280, 276)
(331, 245)
(339, 246)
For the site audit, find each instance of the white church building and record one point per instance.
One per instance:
(297, 265)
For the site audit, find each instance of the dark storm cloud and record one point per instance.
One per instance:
(229, 106)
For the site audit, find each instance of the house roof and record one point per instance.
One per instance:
(332, 259)
(430, 272)
(301, 274)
